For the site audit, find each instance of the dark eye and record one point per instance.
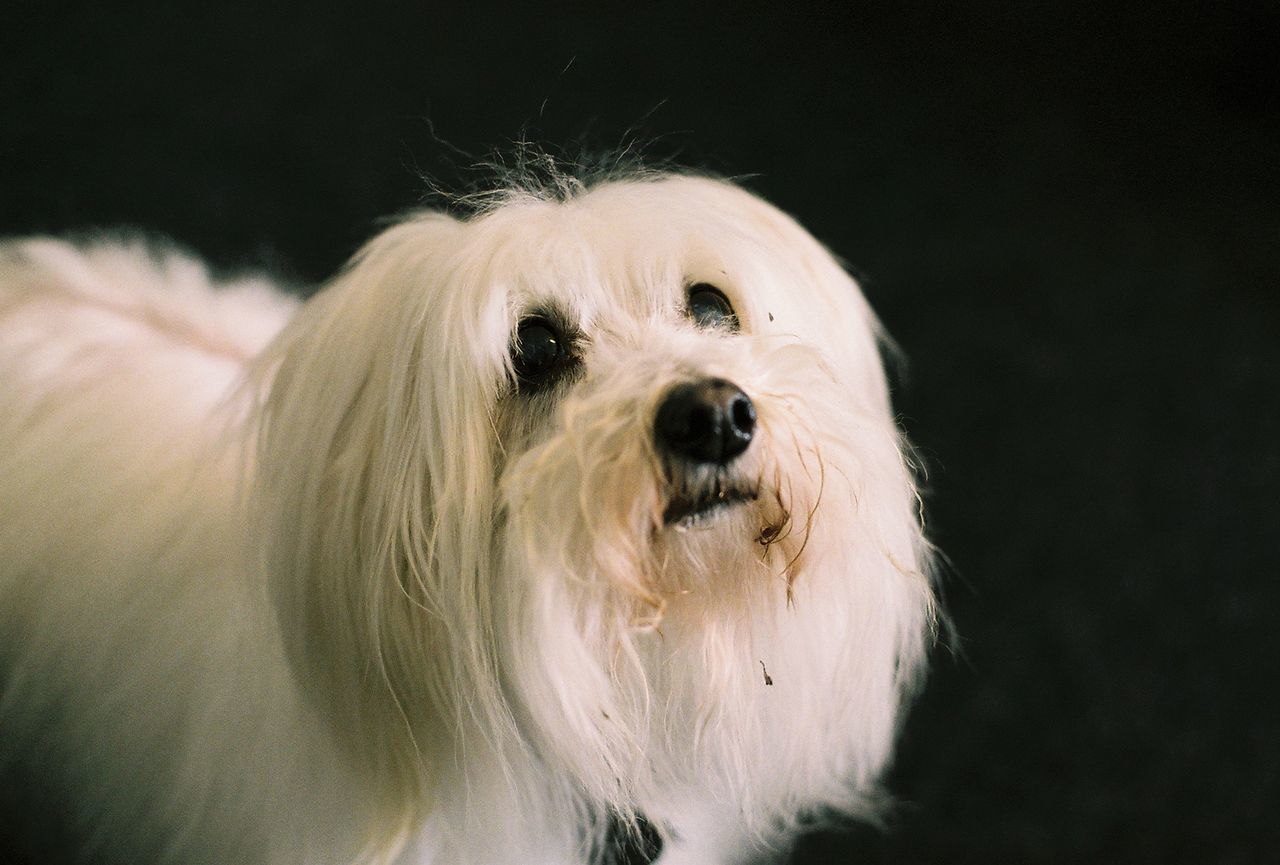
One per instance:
(708, 307)
(540, 351)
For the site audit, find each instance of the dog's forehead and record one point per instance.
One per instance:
(632, 247)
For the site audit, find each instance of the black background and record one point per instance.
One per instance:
(1067, 216)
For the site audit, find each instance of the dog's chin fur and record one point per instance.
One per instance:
(325, 585)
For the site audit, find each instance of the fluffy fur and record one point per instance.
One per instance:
(318, 583)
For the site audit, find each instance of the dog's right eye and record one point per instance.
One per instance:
(539, 353)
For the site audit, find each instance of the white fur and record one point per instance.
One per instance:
(322, 587)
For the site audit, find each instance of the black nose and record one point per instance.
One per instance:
(708, 421)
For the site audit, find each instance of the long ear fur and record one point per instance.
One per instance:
(373, 536)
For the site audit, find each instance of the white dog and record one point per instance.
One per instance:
(587, 507)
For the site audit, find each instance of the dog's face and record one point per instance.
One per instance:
(594, 474)
(677, 365)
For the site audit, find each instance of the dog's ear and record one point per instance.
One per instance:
(374, 471)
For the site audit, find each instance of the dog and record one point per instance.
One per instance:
(579, 512)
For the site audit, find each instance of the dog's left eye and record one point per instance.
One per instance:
(540, 351)
(708, 307)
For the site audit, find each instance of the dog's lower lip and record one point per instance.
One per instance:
(682, 510)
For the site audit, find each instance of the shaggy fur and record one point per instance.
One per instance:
(319, 583)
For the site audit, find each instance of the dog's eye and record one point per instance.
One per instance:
(708, 307)
(540, 351)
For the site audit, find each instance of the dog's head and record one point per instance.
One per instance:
(607, 481)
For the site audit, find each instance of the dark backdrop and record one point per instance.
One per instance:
(1067, 218)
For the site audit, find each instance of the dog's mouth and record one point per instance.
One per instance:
(692, 508)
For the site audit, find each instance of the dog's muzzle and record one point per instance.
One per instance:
(708, 423)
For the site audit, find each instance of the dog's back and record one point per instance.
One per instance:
(119, 368)
(125, 614)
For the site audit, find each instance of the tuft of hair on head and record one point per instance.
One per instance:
(526, 170)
